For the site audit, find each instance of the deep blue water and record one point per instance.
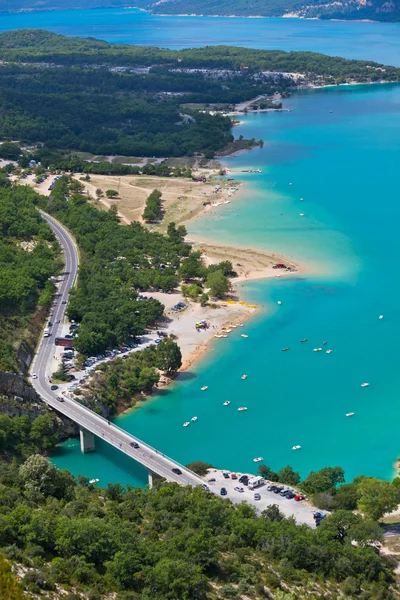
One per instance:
(369, 41)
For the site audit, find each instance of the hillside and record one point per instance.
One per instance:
(148, 100)
(377, 10)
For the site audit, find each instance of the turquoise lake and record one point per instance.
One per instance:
(339, 148)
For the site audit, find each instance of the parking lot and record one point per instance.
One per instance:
(301, 511)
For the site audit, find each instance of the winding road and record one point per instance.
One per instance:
(153, 460)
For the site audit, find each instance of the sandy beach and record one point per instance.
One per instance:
(184, 200)
(221, 317)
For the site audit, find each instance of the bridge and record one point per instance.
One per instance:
(90, 423)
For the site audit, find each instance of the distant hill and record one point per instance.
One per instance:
(377, 10)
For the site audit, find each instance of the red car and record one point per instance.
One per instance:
(299, 497)
(233, 476)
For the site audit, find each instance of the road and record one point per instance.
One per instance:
(149, 457)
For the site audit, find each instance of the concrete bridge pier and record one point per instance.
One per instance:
(152, 478)
(87, 440)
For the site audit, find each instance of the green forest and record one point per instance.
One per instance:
(29, 255)
(91, 96)
(177, 543)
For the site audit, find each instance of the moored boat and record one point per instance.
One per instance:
(258, 459)
(317, 349)
(350, 414)
(285, 349)
(94, 480)
(244, 377)
(227, 403)
(242, 408)
(328, 351)
(365, 384)
(204, 388)
(296, 447)
(244, 335)
(186, 423)
(193, 419)
(303, 340)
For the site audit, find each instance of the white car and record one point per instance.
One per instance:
(34, 376)
(238, 488)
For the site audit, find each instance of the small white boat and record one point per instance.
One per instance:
(242, 408)
(244, 377)
(290, 183)
(317, 349)
(244, 335)
(279, 302)
(186, 423)
(204, 388)
(258, 459)
(301, 214)
(381, 316)
(350, 414)
(193, 419)
(240, 325)
(227, 402)
(328, 351)
(94, 480)
(365, 384)
(301, 198)
(296, 447)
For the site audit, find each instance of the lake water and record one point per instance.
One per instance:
(369, 41)
(339, 148)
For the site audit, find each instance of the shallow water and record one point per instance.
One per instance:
(345, 165)
(339, 147)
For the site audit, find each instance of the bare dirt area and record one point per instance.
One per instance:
(182, 198)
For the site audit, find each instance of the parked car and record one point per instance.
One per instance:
(278, 489)
(205, 487)
(177, 471)
(257, 496)
(285, 492)
(238, 488)
(233, 476)
(136, 445)
(271, 488)
(226, 475)
(290, 495)
(223, 492)
(54, 387)
(299, 497)
(34, 376)
(244, 479)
